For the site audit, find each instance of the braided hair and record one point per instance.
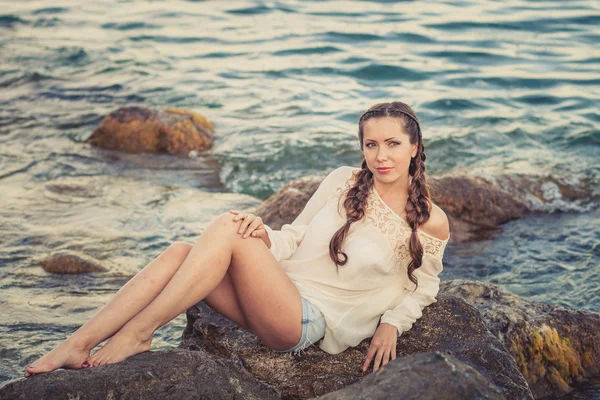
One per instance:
(418, 203)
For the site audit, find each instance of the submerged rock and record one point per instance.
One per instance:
(72, 262)
(450, 326)
(174, 374)
(143, 130)
(554, 346)
(448, 378)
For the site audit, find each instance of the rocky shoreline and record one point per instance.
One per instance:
(476, 341)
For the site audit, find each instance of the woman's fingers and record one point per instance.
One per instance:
(369, 358)
(259, 233)
(386, 357)
(250, 224)
(247, 221)
(378, 358)
(252, 227)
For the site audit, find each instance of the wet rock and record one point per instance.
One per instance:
(143, 130)
(554, 347)
(450, 326)
(474, 205)
(421, 377)
(72, 262)
(174, 374)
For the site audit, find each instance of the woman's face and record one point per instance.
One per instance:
(386, 145)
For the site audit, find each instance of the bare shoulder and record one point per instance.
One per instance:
(437, 225)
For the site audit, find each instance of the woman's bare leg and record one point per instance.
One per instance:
(269, 300)
(132, 298)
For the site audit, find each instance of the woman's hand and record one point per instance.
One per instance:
(251, 225)
(383, 345)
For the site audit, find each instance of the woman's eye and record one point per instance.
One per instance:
(371, 145)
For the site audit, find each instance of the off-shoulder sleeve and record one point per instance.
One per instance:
(284, 242)
(411, 308)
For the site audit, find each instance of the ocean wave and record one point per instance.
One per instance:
(550, 194)
(10, 21)
(24, 78)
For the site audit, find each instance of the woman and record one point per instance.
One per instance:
(342, 271)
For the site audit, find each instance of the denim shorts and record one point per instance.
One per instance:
(313, 327)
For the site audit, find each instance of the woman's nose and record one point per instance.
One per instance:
(381, 155)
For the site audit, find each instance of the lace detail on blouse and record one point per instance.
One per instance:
(394, 227)
(397, 230)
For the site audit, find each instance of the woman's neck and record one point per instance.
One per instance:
(396, 191)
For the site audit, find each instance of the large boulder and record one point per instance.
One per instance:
(424, 376)
(474, 205)
(450, 326)
(554, 347)
(174, 374)
(144, 130)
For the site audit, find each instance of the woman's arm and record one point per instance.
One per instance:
(411, 308)
(285, 241)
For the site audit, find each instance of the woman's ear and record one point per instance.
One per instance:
(414, 150)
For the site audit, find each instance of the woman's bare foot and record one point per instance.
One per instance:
(118, 348)
(66, 355)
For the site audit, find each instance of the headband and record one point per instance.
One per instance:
(414, 118)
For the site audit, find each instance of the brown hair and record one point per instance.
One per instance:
(417, 206)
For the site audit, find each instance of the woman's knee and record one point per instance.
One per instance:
(225, 223)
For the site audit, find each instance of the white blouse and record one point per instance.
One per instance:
(374, 283)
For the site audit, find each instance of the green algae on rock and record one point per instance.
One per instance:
(553, 346)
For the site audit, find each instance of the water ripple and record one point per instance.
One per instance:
(500, 88)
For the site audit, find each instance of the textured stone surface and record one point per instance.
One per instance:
(450, 326)
(143, 130)
(474, 205)
(424, 376)
(174, 374)
(554, 346)
(72, 262)
(289, 201)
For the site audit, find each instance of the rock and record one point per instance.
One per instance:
(174, 374)
(474, 205)
(421, 377)
(450, 326)
(554, 347)
(72, 262)
(143, 130)
(289, 201)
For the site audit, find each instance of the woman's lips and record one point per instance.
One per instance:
(384, 170)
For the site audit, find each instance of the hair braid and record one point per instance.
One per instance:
(355, 205)
(417, 209)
